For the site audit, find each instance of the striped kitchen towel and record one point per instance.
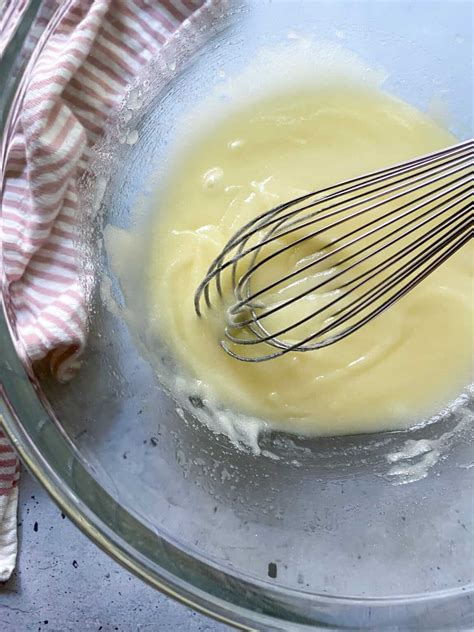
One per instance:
(83, 59)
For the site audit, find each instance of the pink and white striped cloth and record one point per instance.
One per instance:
(84, 64)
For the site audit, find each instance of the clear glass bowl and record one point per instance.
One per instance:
(328, 535)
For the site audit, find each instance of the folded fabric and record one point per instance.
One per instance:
(84, 59)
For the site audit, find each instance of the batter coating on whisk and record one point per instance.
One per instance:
(400, 368)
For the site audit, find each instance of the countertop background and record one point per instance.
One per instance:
(64, 582)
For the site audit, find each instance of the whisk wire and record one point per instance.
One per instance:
(398, 225)
(241, 238)
(253, 268)
(262, 220)
(301, 346)
(373, 293)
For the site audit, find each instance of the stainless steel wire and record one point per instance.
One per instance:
(349, 252)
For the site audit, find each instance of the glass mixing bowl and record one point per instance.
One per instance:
(355, 532)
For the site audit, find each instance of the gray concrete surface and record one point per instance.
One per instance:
(64, 582)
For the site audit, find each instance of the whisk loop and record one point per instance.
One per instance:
(348, 252)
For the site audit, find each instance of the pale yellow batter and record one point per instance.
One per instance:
(401, 368)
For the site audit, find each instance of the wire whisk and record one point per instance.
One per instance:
(316, 269)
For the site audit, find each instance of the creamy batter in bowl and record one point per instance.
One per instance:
(325, 531)
(402, 368)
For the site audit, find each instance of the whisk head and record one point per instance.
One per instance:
(314, 270)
